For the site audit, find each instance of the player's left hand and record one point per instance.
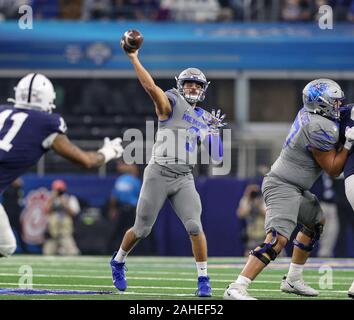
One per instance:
(112, 149)
(215, 121)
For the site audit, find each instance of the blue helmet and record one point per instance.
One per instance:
(192, 74)
(321, 95)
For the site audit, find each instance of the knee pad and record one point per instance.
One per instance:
(7, 250)
(314, 234)
(193, 227)
(142, 233)
(267, 248)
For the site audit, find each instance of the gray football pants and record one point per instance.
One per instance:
(287, 205)
(160, 184)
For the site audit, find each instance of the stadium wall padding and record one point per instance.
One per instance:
(219, 197)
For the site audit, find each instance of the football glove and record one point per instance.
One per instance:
(112, 149)
(215, 121)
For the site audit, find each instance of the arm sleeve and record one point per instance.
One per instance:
(215, 146)
(172, 97)
(322, 135)
(55, 125)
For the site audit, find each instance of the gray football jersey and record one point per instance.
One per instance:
(176, 140)
(296, 163)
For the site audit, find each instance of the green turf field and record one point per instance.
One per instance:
(152, 278)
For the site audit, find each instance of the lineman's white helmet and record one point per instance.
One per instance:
(34, 91)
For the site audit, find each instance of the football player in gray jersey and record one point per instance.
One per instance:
(182, 125)
(310, 148)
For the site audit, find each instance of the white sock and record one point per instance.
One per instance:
(295, 271)
(121, 255)
(202, 268)
(243, 280)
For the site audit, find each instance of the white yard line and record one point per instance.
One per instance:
(192, 273)
(132, 265)
(225, 281)
(74, 264)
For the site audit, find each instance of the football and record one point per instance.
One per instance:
(132, 40)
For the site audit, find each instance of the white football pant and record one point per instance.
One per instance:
(7, 237)
(330, 233)
(349, 189)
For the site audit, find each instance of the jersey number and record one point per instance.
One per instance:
(17, 121)
(293, 131)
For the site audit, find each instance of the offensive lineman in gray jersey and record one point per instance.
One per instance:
(169, 173)
(309, 148)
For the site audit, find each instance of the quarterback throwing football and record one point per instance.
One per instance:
(169, 174)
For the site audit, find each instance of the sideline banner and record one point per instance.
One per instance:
(57, 45)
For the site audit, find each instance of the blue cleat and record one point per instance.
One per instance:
(118, 274)
(204, 289)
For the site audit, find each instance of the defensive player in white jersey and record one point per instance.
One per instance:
(169, 173)
(310, 148)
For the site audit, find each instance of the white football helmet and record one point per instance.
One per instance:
(192, 74)
(34, 91)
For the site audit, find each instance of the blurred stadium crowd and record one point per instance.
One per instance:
(179, 10)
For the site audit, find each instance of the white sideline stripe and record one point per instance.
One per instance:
(154, 287)
(159, 259)
(144, 278)
(232, 275)
(128, 278)
(131, 258)
(147, 266)
(162, 266)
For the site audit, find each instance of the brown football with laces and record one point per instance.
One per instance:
(132, 40)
